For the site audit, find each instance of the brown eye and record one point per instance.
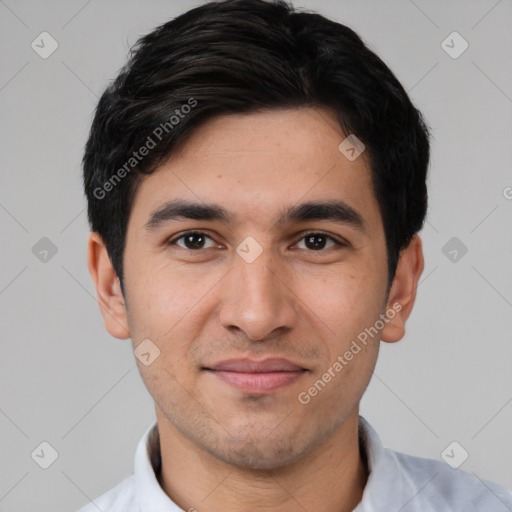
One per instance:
(318, 241)
(192, 240)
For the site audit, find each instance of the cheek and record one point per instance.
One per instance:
(344, 302)
(169, 305)
(164, 295)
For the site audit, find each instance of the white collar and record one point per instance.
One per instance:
(152, 498)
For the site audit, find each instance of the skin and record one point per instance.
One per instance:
(224, 449)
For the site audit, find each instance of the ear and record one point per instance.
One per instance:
(403, 290)
(108, 288)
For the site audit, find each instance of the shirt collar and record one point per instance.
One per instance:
(152, 497)
(380, 479)
(148, 463)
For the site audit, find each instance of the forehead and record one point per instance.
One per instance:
(256, 164)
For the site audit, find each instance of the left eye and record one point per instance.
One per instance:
(311, 241)
(195, 240)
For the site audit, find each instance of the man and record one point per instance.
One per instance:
(256, 179)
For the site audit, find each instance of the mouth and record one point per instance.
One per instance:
(257, 377)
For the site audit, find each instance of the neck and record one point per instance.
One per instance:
(330, 478)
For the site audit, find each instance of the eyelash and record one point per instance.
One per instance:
(309, 233)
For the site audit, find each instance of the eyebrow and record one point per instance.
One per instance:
(335, 211)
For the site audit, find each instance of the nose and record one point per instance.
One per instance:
(258, 298)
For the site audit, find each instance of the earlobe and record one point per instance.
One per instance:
(403, 290)
(108, 288)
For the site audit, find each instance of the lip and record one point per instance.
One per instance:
(246, 365)
(257, 377)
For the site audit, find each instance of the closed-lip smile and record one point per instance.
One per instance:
(257, 377)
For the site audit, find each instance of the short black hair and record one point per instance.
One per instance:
(244, 56)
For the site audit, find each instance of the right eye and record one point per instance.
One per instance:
(192, 240)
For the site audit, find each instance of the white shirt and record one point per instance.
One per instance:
(396, 483)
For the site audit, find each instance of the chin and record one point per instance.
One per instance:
(264, 453)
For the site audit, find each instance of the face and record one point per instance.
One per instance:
(251, 308)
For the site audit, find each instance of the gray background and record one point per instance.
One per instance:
(67, 382)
